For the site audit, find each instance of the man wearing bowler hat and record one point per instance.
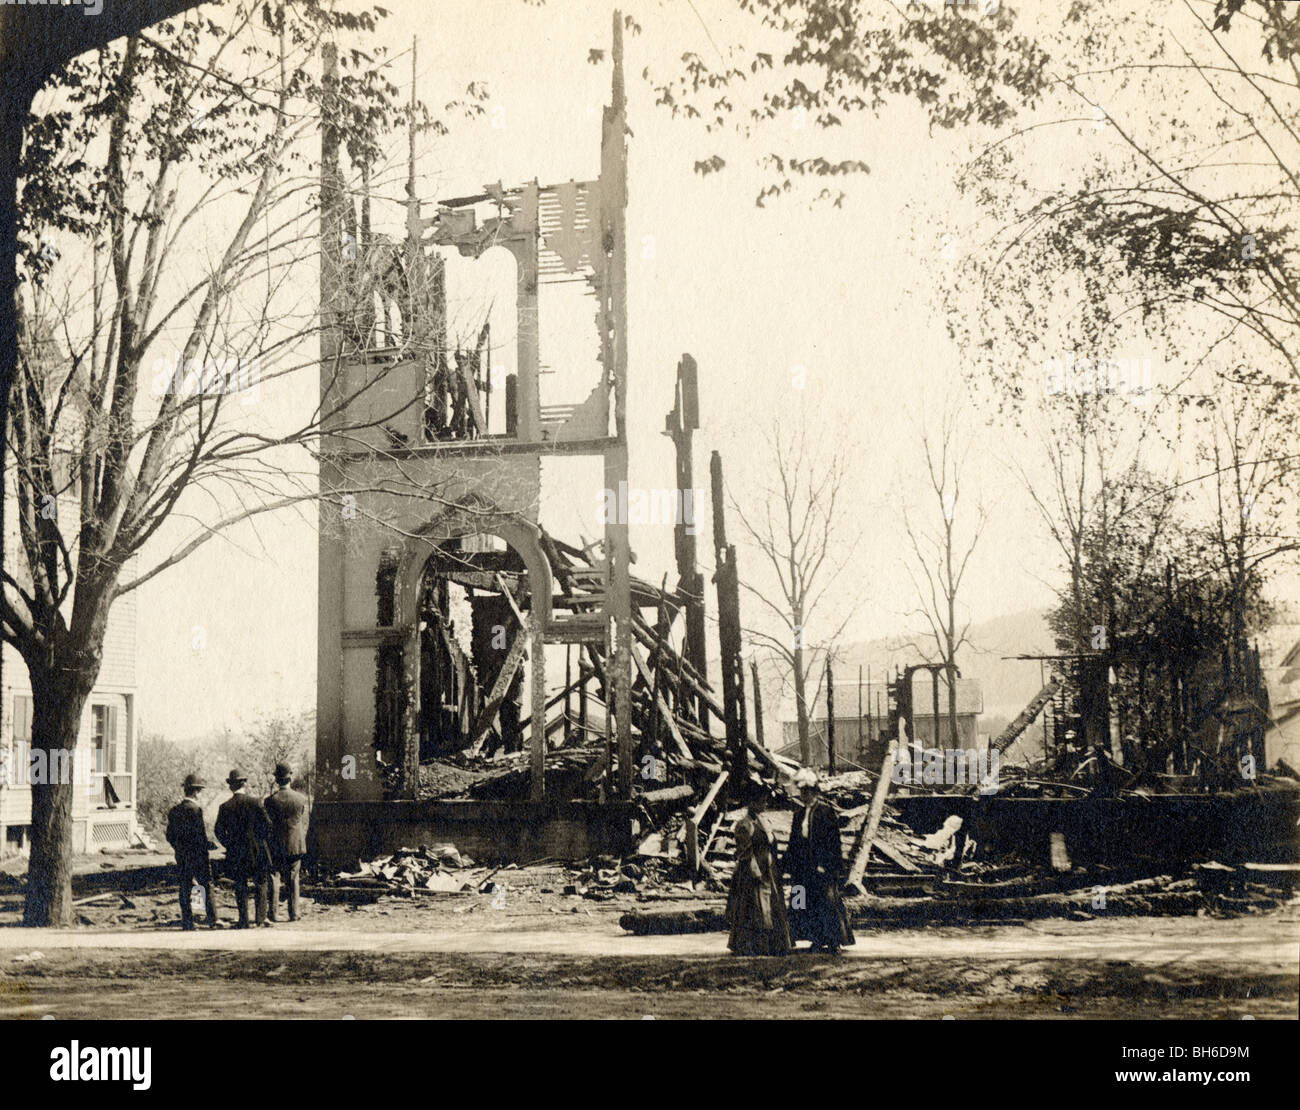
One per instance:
(242, 826)
(188, 836)
(287, 811)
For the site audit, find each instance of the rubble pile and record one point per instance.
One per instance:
(439, 869)
(603, 877)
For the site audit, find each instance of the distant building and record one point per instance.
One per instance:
(858, 740)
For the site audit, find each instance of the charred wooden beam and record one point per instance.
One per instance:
(680, 426)
(727, 578)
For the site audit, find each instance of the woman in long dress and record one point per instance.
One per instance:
(815, 861)
(756, 902)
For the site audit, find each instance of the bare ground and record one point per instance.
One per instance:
(534, 952)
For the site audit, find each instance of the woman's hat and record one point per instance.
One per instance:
(806, 778)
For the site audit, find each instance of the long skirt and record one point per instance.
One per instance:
(756, 912)
(822, 918)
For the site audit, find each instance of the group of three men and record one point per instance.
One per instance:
(264, 841)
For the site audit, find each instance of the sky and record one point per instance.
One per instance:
(793, 311)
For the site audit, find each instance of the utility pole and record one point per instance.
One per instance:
(830, 718)
(860, 750)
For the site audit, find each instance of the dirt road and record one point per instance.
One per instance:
(1168, 967)
(529, 950)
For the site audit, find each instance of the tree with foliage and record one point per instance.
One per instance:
(817, 65)
(173, 166)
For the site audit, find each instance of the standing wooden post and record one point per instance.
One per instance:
(758, 703)
(679, 426)
(618, 548)
(568, 692)
(733, 672)
(583, 679)
(830, 718)
(860, 749)
(657, 665)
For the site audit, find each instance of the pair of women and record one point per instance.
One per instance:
(762, 922)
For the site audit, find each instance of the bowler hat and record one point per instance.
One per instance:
(236, 778)
(283, 772)
(193, 782)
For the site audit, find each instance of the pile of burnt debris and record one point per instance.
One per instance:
(437, 869)
(1138, 820)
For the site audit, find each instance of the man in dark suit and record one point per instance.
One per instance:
(188, 836)
(287, 811)
(242, 826)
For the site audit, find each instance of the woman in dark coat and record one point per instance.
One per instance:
(816, 864)
(756, 903)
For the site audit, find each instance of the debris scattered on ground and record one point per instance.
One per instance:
(437, 869)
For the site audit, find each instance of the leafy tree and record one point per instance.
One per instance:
(816, 65)
(148, 146)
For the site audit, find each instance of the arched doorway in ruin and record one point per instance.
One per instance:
(472, 592)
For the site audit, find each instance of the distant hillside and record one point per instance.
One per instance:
(1008, 684)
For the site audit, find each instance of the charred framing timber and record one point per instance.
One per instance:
(680, 426)
(497, 695)
(1013, 731)
(661, 637)
(661, 706)
(727, 578)
(685, 674)
(694, 857)
(568, 687)
(505, 676)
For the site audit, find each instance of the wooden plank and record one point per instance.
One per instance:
(1012, 732)
(514, 605)
(898, 857)
(703, 807)
(859, 864)
(694, 856)
(666, 794)
(646, 635)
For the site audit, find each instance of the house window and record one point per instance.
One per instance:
(98, 737)
(20, 755)
(107, 756)
(22, 719)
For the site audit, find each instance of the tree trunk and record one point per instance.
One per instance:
(955, 740)
(801, 708)
(56, 721)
